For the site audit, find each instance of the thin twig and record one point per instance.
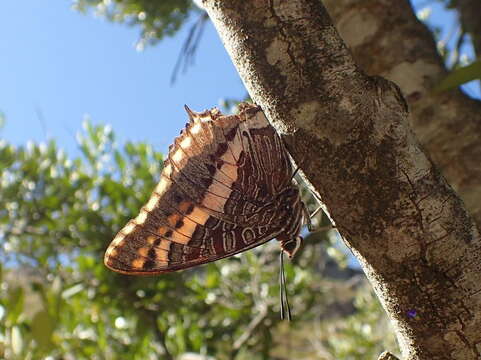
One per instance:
(187, 52)
(250, 329)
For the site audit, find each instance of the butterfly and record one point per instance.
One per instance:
(226, 187)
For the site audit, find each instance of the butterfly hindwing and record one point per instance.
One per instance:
(142, 252)
(214, 198)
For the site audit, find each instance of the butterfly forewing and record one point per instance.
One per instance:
(214, 198)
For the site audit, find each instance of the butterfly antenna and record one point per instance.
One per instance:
(294, 173)
(285, 308)
(313, 193)
(281, 284)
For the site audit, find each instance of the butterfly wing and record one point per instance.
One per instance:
(214, 198)
(266, 169)
(142, 252)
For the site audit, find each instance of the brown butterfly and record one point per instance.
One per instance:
(226, 187)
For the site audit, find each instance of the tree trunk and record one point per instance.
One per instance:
(387, 39)
(350, 135)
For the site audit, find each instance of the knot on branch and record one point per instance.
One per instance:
(390, 94)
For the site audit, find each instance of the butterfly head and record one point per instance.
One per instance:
(291, 246)
(290, 204)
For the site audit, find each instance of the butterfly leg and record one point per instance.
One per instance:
(307, 217)
(294, 173)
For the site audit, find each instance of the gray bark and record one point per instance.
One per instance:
(350, 135)
(387, 39)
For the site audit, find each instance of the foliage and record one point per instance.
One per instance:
(363, 334)
(57, 215)
(156, 19)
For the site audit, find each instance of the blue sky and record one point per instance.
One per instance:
(57, 66)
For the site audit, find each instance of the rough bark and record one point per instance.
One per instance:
(350, 135)
(387, 39)
(469, 11)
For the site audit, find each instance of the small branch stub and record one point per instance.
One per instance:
(386, 355)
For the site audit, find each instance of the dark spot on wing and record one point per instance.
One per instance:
(222, 148)
(149, 264)
(211, 169)
(230, 135)
(179, 224)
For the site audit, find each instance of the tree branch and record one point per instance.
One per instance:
(470, 11)
(447, 124)
(246, 335)
(350, 135)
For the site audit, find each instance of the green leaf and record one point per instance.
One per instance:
(156, 19)
(17, 340)
(460, 76)
(71, 291)
(15, 302)
(42, 329)
(119, 160)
